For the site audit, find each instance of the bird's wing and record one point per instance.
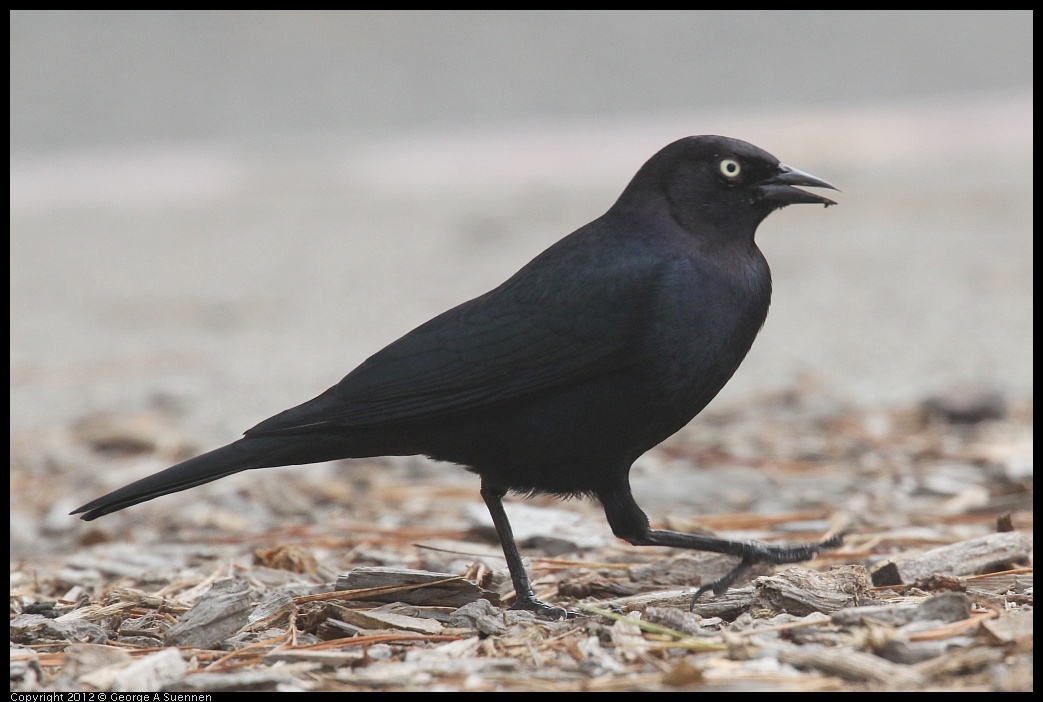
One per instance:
(515, 341)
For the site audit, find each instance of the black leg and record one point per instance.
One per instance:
(629, 523)
(524, 597)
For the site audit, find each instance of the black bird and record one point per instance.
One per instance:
(556, 381)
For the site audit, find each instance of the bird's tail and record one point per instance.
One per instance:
(245, 454)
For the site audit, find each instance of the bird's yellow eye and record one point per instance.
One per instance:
(730, 168)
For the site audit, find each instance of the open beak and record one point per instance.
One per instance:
(780, 188)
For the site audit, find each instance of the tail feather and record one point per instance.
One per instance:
(245, 454)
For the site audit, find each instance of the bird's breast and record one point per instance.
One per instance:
(704, 323)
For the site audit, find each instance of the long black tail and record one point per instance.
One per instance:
(245, 454)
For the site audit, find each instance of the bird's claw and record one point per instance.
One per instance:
(773, 555)
(542, 609)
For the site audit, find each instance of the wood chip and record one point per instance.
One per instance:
(377, 619)
(409, 586)
(221, 612)
(852, 665)
(33, 627)
(285, 677)
(799, 591)
(1010, 627)
(981, 555)
(151, 673)
(295, 559)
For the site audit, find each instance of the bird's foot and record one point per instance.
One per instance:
(772, 555)
(542, 609)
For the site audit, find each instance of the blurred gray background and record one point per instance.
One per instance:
(228, 211)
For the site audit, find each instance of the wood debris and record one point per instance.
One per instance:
(985, 554)
(383, 575)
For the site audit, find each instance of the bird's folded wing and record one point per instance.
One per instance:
(476, 355)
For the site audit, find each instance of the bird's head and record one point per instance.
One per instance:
(718, 182)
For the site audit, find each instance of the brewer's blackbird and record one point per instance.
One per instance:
(556, 381)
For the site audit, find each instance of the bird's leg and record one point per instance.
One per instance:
(629, 523)
(524, 597)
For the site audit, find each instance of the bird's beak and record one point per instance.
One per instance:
(779, 188)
